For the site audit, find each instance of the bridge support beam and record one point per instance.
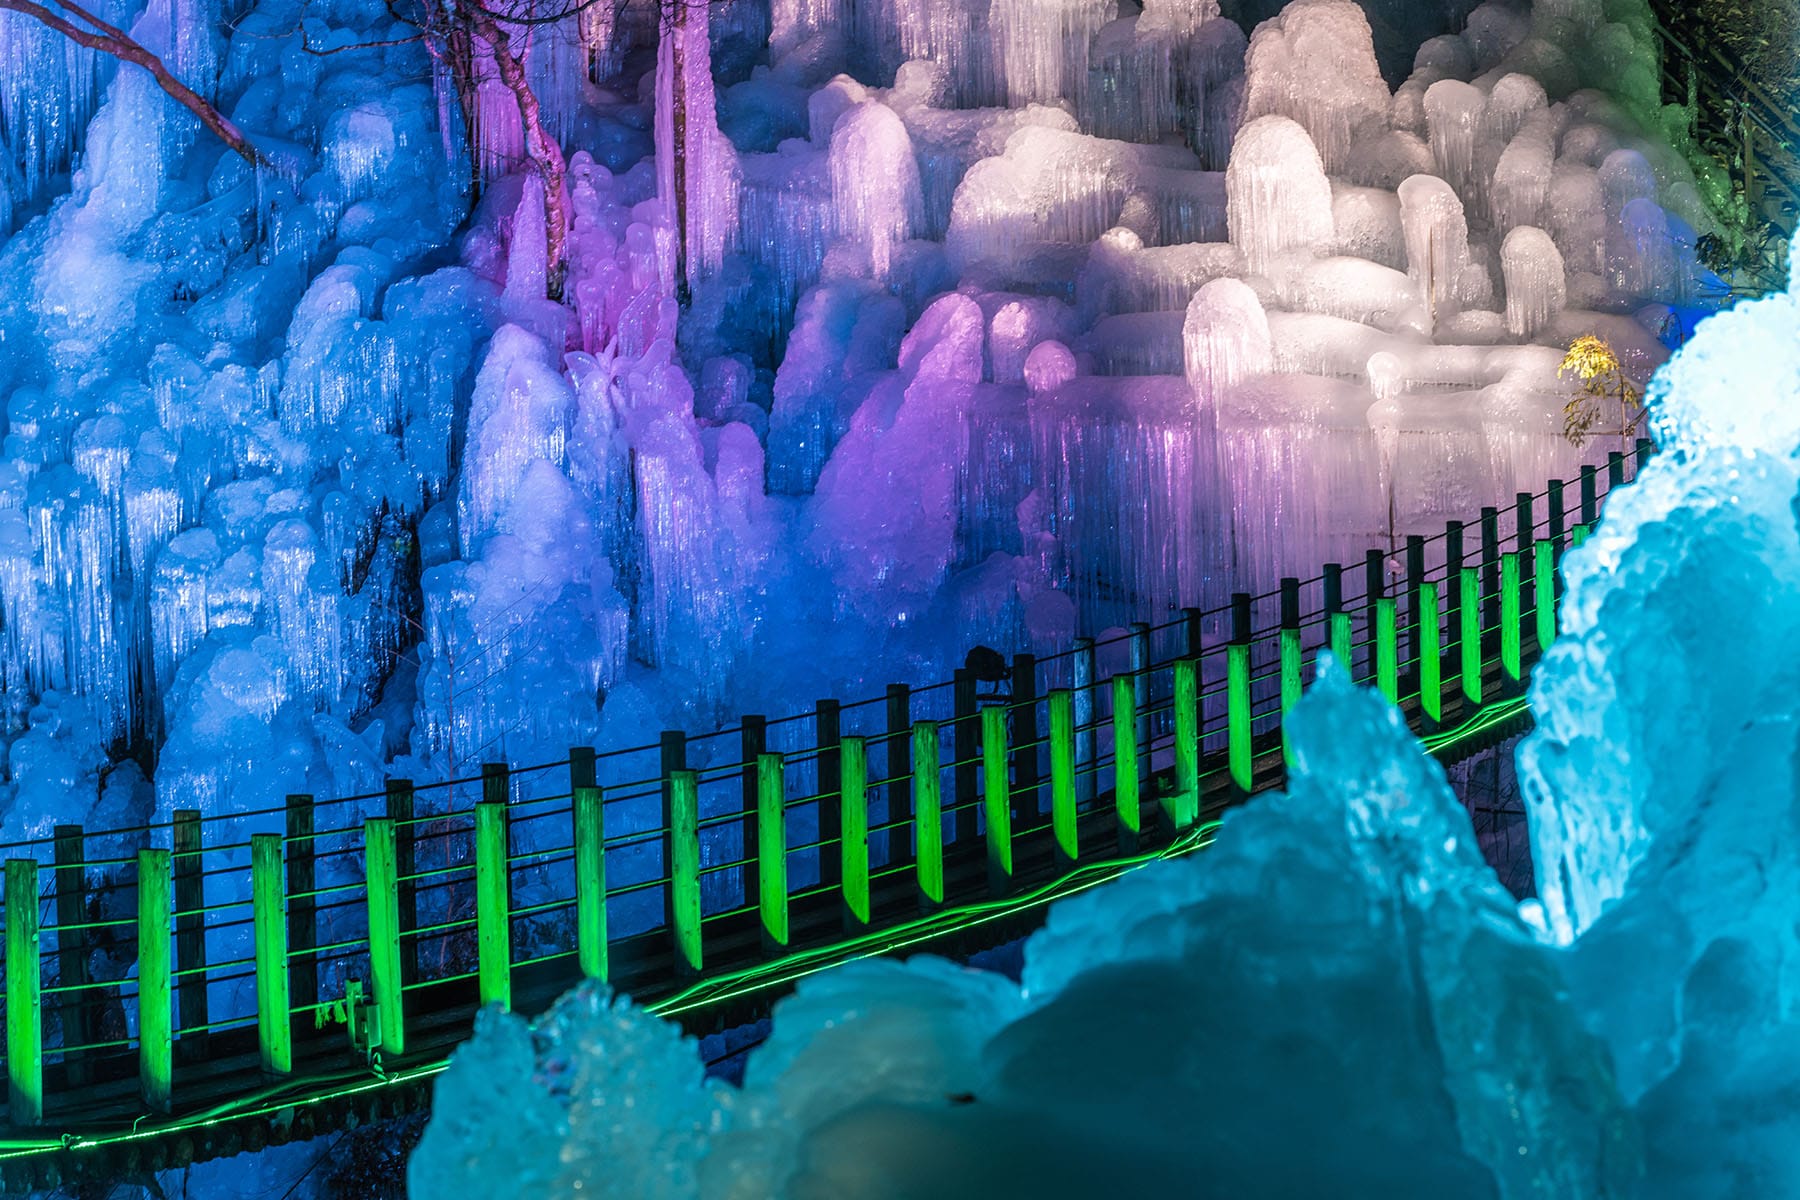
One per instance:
(268, 901)
(24, 996)
(589, 813)
(928, 814)
(156, 1002)
(1063, 815)
(996, 798)
(853, 755)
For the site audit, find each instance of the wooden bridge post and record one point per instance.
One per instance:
(965, 742)
(1084, 716)
(302, 878)
(1238, 726)
(1524, 537)
(269, 917)
(854, 752)
(1641, 451)
(493, 907)
(1490, 569)
(71, 952)
(24, 996)
(828, 725)
(1387, 649)
(1292, 651)
(683, 823)
(1468, 636)
(1453, 567)
(156, 1002)
(672, 750)
(899, 773)
(190, 933)
(1512, 620)
(1615, 470)
(1543, 592)
(1337, 622)
(1590, 495)
(928, 814)
(1415, 579)
(1431, 664)
(1193, 622)
(382, 893)
(1140, 680)
(1374, 590)
(1024, 734)
(1182, 805)
(771, 849)
(1556, 513)
(588, 811)
(753, 743)
(1125, 762)
(406, 862)
(996, 799)
(1063, 814)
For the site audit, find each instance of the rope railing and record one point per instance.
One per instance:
(367, 925)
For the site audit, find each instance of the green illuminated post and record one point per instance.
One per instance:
(1292, 653)
(24, 999)
(1062, 774)
(1237, 715)
(1342, 642)
(1511, 619)
(589, 812)
(1183, 804)
(381, 871)
(928, 813)
(156, 1002)
(1125, 760)
(1469, 631)
(1578, 535)
(268, 907)
(1543, 592)
(771, 849)
(684, 868)
(996, 799)
(853, 754)
(1431, 651)
(493, 918)
(1387, 650)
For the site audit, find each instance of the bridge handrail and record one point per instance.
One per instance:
(1155, 720)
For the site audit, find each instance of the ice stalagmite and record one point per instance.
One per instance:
(1437, 247)
(1535, 286)
(1278, 199)
(1225, 338)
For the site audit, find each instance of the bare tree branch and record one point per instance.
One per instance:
(120, 45)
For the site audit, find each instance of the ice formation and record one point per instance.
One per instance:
(1340, 971)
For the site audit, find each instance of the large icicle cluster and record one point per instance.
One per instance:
(1338, 983)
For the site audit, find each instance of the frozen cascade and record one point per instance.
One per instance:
(1278, 199)
(1535, 286)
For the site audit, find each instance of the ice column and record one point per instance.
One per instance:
(1437, 244)
(1277, 196)
(1315, 63)
(1225, 338)
(875, 189)
(1535, 286)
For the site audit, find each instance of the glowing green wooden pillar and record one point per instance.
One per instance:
(493, 916)
(1543, 592)
(996, 798)
(928, 812)
(1292, 655)
(1431, 651)
(156, 1001)
(1125, 760)
(1511, 616)
(268, 907)
(1063, 825)
(1468, 624)
(771, 849)
(1578, 535)
(381, 872)
(589, 814)
(1237, 715)
(24, 995)
(1183, 803)
(1387, 649)
(1342, 642)
(853, 787)
(684, 868)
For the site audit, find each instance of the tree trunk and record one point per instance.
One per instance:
(545, 154)
(678, 152)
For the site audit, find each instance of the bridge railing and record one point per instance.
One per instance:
(369, 911)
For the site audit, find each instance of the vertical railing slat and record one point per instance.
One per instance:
(1543, 592)
(1125, 762)
(156, 1002)
(928, 813)
(853, 753)
(1085, 712)
(996, 798)
(1063, 815)
(71, 951)
(771, 850)
(589, 814)
(269, 916)
(1511, 618)
(190, 933)
(829, 731)
(1387, 649)
(406, 862)
(382, 889)
(899, 773)
(24, 996)
(1468, 634)
(1183, 804)
(493, 910)
(683, 821)
(1431, 664)
(1024, 735)
(302, 878)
